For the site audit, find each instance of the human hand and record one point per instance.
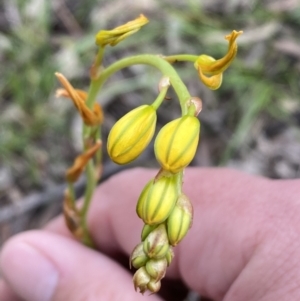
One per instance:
(243, 245)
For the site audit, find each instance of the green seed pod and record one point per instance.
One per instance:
(153, 286)
(156, 245)
(146, 231)
(140, 279)
(156, 268)
(180, 220)
(176, 143)
(138, 257)
(157, 200)
(170, 255)
(131, 134)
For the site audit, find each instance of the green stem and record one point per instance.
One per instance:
(90, 187)
(161, 96)
(181, 58)
(154, 61)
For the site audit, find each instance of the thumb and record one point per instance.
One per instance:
(41, 266)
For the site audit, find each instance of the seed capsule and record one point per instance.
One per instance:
(156, 245)
(176, 143)
(157, 200)
(180, 220)
(131, 134)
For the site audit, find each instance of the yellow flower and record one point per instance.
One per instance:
(210, 70)
(116, 35)
(176, 143)
(90, 117)
(131, 134)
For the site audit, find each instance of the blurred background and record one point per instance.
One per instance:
(251, 123)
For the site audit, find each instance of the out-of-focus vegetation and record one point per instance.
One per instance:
(253, 117)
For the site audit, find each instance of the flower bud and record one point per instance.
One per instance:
(157, 200)
(180, 220)
(176, 143)
(131, 134)
(138, 256)
(156, 268)
(170, 255)
(153, 286)
(146, 231)
(156, 245)
(140, 279)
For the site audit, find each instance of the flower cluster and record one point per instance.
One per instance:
(165, 210)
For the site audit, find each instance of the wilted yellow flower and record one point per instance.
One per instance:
(131, 134)
(176, 143)
(157, 200)
(90, 117)
(80, 162)
(210, 70)
(180, 220)
(116, 35)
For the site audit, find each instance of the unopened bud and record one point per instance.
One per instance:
(153, 286)
(146, 231)
(138, 256)
(180, 220)
(156, 268)
(131, 134)
(176, 143)
(156, 245)
(157, 200)
(140, 279)
(170, 255)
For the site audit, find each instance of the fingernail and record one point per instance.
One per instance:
(28, 271)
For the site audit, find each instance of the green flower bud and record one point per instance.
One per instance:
(140, 279)
(156, 268)
(131, 134)
(180, 220)
(146, 231)
(153, 286)
(138, 257)
(170, 255)
(156, 245)
(176, 143)
(157, 200)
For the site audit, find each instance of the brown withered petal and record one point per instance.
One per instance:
(64, 93)
(80, 162)
(72, 216)
(90, 117)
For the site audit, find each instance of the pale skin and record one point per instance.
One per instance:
(244, 244)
